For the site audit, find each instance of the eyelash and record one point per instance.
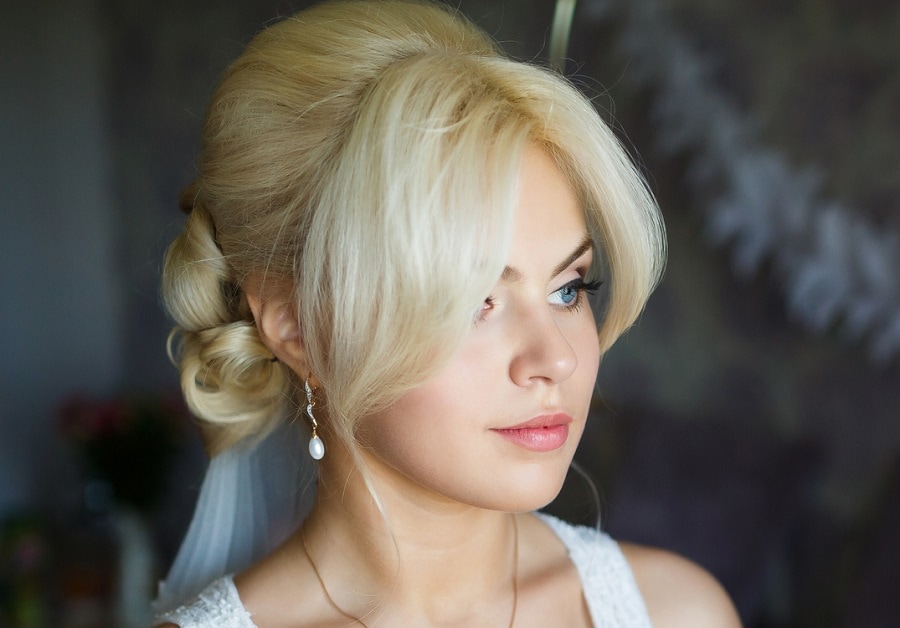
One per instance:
(580, 286)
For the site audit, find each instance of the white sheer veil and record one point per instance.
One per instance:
(253, 496)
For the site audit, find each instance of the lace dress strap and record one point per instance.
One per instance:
(610, 590)
(218, 605)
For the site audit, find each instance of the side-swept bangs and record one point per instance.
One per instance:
(414, 224)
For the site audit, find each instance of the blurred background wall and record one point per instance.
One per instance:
(732, 425)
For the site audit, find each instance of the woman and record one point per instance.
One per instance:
(391, 239)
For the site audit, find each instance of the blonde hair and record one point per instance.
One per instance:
(366, 153)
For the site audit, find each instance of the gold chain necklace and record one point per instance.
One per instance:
(359, 620)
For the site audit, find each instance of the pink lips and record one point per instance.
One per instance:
(542, 433)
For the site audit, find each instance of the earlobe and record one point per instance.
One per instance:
(276, 322)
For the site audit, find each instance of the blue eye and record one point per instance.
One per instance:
(569, 295)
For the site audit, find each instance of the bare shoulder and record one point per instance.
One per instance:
(678, 592)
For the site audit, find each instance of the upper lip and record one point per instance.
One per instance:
(544, 420)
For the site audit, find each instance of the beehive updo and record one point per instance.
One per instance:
(364, 156)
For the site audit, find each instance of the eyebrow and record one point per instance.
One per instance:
(513, 274)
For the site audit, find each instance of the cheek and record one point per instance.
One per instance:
(409, 428)
(592, 353)
(586, 344)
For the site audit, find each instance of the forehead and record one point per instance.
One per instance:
(549, 220)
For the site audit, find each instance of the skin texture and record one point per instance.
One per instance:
(677, 592)
(443, 551)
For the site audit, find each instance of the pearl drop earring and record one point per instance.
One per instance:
(316, 446)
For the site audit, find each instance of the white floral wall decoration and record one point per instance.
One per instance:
(837, 269)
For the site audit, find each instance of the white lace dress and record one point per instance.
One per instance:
(606, 579)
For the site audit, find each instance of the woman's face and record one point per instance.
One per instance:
(498, 426)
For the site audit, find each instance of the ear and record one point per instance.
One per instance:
(276, 322)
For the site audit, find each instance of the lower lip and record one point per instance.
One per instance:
(537, 438)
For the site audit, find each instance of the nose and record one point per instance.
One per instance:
(543, 352)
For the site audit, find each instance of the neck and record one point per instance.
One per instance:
(420, 557)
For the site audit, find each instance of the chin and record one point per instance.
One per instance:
(527, 503)
(540, 500)
(526, 493)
